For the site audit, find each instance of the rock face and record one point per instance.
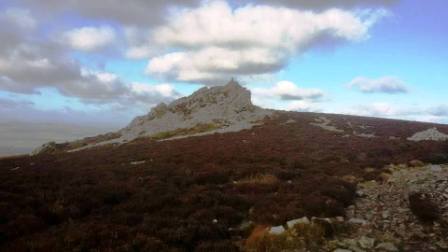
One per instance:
(431, 134)
(217, 109)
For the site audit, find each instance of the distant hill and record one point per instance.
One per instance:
(21, 137)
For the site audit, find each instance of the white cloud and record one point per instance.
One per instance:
(303, 106)
(382, 109)
(89, 38)
(287, 90)
(285, 95)
(386, 84)
(214, 42)
(388, 110)
(165, 90)
(441, 110)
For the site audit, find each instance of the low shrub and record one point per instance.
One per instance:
(423, 207)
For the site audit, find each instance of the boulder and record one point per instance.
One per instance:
(303, 220)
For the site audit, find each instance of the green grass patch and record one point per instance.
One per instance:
(199, 128)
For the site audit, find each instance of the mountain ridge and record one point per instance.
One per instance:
(209, 110)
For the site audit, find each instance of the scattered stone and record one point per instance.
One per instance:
(416, 163)
(277, 230)
(365, 135)
(342, 250)
(292, 223)
(366, 242)
(138, 162)
(442, 244)
(357, 221)
(325, 123)
(384, 212)
(435, 168)
(388, 246)
(15, 169)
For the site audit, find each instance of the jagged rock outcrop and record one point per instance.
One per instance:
(216, 109)
(431, 134)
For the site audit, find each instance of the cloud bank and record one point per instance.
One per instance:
(387, 84)
(89, 38)
(214, 42)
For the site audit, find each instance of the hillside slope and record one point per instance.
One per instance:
(204, 193)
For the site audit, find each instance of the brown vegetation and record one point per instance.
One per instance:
(423, 207)
(183, 197)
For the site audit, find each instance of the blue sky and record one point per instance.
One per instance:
(107, 65)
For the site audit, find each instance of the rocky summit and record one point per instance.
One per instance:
(208, 110)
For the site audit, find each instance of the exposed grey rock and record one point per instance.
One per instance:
(226, 108)
(365, 135)
(385, 208)
(442, 244)
(435, 168)
(325, 123)
(217, 109)
(138, 162)
(303, 220)
(342, 250)
(431, 134)
(387, 246)
(357, 221)
(277, 230)
(366, 242)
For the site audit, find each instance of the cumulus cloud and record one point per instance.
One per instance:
(29, 64)
(214, 42)
(286, 90)
(387, 84)
(388, 110)
(285, 95)
(89, 38)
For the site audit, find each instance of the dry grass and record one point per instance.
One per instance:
(199, 128)
(301, 236)
(260, 179)
(98, 201)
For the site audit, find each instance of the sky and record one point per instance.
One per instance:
(101, 63)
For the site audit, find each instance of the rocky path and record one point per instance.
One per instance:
(382, 218)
